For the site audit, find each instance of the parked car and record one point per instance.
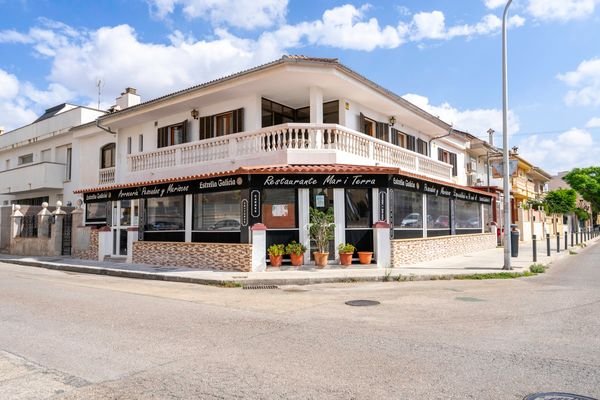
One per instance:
(225, 225)
(442, 221)
(412, 220)
(165, 226)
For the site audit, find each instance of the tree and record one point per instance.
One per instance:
(560, 201)
(586, 182)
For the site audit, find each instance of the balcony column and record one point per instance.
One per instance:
(316, 115)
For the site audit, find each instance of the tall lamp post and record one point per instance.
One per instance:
(505, 167)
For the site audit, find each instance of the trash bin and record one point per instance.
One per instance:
(514, 240)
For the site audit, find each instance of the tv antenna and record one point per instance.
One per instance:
(99, 85)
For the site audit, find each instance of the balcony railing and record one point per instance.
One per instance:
(106, 175)
(291, 138)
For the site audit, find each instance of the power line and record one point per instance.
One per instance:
(553, 132)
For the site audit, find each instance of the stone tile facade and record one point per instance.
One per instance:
(411, 251)
(215, 256)
(86, 250)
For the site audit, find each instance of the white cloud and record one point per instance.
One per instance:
(561, 10)
(593, 123)
(570, 149)
(492, 4)
(432, 25)
(245, 14)
(14, 108)
(475, 121)
(585, 81)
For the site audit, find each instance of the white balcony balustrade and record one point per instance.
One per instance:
(304, 139)
(106, 175)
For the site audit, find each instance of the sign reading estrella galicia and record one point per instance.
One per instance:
(436, 189)
(169, 189)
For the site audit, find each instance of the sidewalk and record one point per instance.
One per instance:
(482, 262)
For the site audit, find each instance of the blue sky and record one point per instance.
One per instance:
(443, 55)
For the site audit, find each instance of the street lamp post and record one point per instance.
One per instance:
(505, 167)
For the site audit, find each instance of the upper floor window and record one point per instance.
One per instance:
(172, 134)
(141, 143)
(450, 158)
(222, 124)
(107, 154)
(373, 128)
(422, 147)
(26, 159)
(331, 112)
(68, 164)
(129, 145)
(274, 113)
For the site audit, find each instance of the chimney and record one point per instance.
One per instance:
(491, 136)
(128, 98)
(1, 130)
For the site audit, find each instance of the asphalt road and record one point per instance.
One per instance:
(74, 336)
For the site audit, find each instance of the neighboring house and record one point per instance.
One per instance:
(571, 221)
(38, 162)
(207, 168)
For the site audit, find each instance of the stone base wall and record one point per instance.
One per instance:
(85, 243)
(214, 256)
(411, 251)
(44, 247)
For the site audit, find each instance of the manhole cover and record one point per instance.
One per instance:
(556, 396)
(362, 303)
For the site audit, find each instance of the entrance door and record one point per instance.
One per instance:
(322, 200)
(359, 231)
(124, 216)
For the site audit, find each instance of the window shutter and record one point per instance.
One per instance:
(454, 164)
(410, 142)
(440, 154)
(381, 131)
(361, 123)
(238, 120)
(162, 137)
(205, 131)
(422, 147)
(184, 130)
(395, 136)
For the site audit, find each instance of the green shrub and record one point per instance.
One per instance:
(346, 248)
(295, 248)
(537, 268)
(276, 250)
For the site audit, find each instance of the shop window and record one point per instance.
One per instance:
(279, 208)
(438, 216)
(172, 134)
(107, 154)
(450, 158)
(222, 124)
(165, 214)
(26, 159)
(216, 212)
(358, 208)
(408, 214)
(95, 213)
(468, 216)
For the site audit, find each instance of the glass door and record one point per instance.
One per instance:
(359, 231)
(322, 200)
(124, 215)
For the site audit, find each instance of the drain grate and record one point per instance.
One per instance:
(362, 303)
(260, 287)
(556, 396)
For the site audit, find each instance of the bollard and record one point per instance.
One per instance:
(566, 242)
(548, 244)
(557, 242)
(577, 237)
(534, 240)
(514, 240)
(572, 235)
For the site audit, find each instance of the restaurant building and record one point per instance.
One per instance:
(210, 176)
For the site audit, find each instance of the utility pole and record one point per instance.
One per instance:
(505, 161)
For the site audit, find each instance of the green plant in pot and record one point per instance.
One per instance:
(296, 252)
(321, 229)
(346, 251)
(275, 252)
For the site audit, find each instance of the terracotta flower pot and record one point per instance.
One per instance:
(275, 260)
(320, 259)
(297, 259)
(346, 258)
(365, 257)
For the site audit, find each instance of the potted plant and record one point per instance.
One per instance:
(346, 251)
(364, 257)
(296, 252)
(321, 229)
(275, 252)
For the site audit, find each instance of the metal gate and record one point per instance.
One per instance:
(67, 229)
